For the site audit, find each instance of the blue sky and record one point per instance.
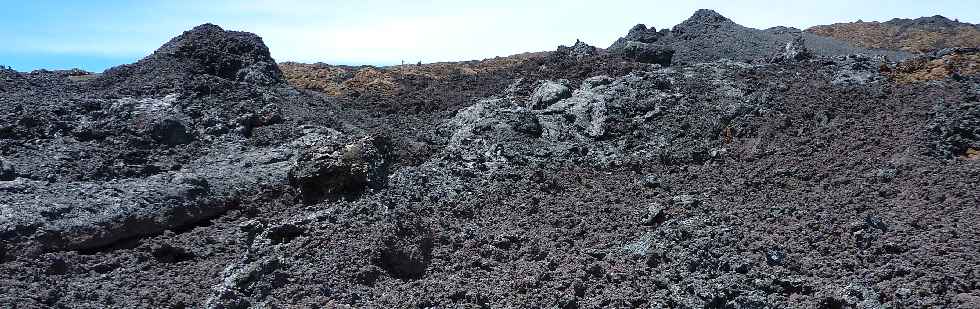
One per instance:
(98, 34)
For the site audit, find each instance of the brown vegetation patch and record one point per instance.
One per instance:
(908, 38)
(926, 69)
(972, 154)
(340, 80)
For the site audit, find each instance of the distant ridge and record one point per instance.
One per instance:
(708, 36)
(924, 34)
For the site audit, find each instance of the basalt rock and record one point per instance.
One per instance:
(795, 50)
(579, 50)
(7, 172)
(332, 169)
(547, 93)
(645, 52)
(641, 45)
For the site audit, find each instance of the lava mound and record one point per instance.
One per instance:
(167, 142)
(233, 55)
(204, 52)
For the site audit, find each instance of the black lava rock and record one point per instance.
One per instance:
(646, 52)
(170, 132)
(653, 216)
(708, 36)
(232, 55)
(578, 50)
(335, 170)
(187, 60)
(7, 172)
(641, 45)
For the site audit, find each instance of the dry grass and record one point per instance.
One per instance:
(878, 35)
(972, 154)
(82, 78)
(347, 80)
(317, 77)
(923, 69)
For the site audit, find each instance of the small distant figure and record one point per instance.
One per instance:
(403, 62)
(419, 64)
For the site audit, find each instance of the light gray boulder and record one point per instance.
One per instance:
(547, 93)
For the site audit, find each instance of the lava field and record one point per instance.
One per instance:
(706, 166)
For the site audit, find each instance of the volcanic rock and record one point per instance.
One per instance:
(955, 128)
(653, 216)
(579, 50)
(645, 53)
(69, 218)
(938, 65)
(795, 50)
(709, 36)
(590, 113)
(596, 81)
(639, 33)
(206, 50)
(548, 93)
(641, 45)
(7, 172)
(170, 132)
(332, 169)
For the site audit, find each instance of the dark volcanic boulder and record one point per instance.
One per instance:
(642, 45)
(170, 131)
(639, 33)
(85, 215)
(578, 50)
(795, 50)
(647, 53)
(334, 169)
(6, 171)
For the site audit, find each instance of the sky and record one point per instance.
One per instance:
(97, 34)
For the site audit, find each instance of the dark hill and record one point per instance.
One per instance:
(709, 36)
(204, 55)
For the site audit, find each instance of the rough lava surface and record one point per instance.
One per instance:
(770, 173)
